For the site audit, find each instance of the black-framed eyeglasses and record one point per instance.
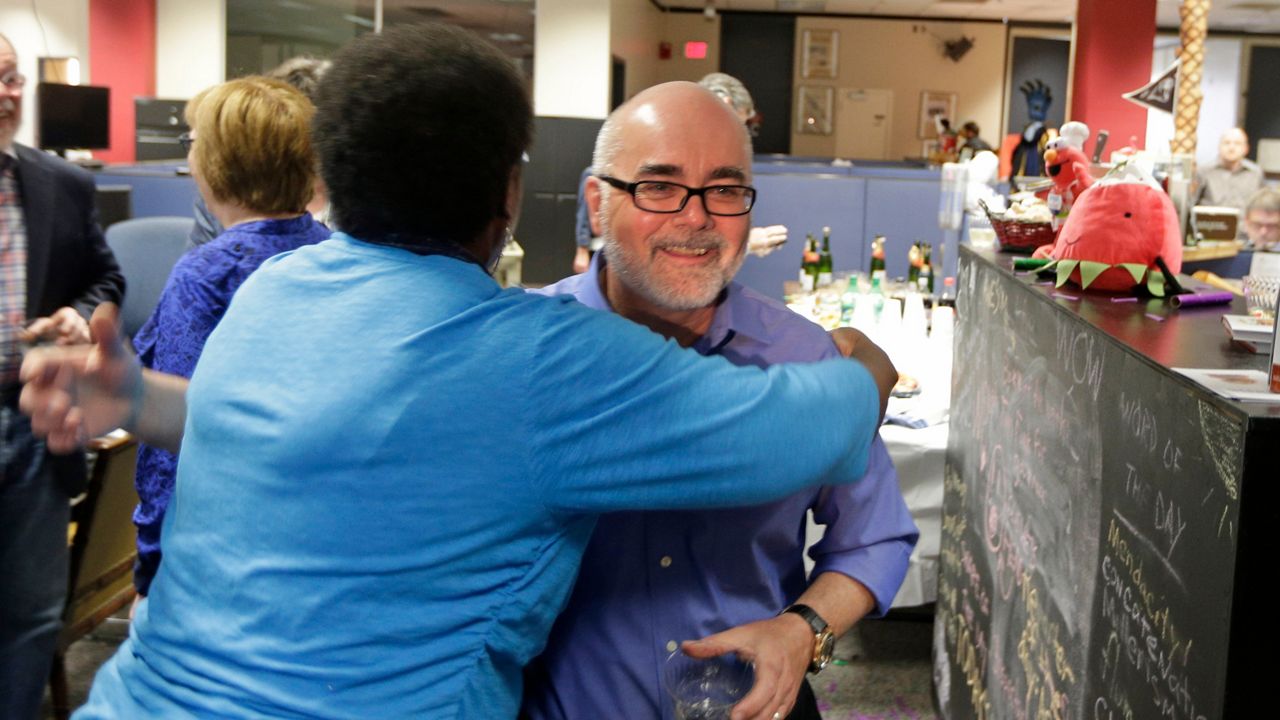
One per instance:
(13, 80)
(663, 196)
(186, 141)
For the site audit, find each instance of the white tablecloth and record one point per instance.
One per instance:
(919, 456)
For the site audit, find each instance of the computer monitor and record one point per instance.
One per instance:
(73, 117)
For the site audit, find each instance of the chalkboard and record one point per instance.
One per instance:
(1090, 520)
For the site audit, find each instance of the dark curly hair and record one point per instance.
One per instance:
(418, 130)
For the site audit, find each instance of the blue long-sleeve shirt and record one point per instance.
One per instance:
(390, 468)
(195, 297)
(652, 579)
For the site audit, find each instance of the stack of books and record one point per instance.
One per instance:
(1252, 333)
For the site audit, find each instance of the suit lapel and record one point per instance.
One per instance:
(36, 185)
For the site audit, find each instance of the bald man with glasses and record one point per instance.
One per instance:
(672, 196)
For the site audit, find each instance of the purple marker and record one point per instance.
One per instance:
(1064, 296)
(1124, 299)
(1221, 297)
(1155, 317)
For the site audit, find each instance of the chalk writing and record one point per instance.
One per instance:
(1079, 491)
(1222, 437)
(1081, 357)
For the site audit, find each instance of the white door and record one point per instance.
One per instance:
(863, 118)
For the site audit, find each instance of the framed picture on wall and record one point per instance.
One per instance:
(819, 54)
(814, 109)
(935, 104)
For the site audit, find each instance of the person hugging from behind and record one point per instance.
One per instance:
(251, 156)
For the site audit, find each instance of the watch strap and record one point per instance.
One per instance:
(810, 616)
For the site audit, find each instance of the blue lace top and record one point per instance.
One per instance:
(194, 299)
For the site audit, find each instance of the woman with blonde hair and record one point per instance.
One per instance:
(250, 154)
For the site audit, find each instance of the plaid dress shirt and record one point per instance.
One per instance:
(13, 271)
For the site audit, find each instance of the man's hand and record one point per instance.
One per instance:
(854, 345)
(64, 327)
(79, 392)
(581, 260)
(763, 240)
(781, 648)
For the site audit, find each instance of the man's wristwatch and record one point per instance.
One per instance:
(824, 642)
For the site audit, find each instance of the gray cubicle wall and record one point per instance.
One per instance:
(857, 202)
(157, 190)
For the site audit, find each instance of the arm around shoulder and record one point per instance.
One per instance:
(657, 426)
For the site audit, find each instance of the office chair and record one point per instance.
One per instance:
(146, 249)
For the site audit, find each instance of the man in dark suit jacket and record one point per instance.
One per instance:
(55, 268)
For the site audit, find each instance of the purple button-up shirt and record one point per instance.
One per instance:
(652, 579)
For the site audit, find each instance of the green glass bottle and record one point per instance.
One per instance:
(809, 265)
(849, 300)
(913, 264)
(877, 259)
(877, 293)
(824, 259)
(926, 269)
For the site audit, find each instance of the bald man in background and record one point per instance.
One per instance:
(1234, 178)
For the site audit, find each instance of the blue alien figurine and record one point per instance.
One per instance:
(1028, 156)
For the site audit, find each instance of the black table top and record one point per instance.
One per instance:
(1181, 337)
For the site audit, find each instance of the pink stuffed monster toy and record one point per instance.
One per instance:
(1118, 228)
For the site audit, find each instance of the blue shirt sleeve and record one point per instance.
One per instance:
(635, 422)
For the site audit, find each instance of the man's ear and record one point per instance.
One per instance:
(594, 197)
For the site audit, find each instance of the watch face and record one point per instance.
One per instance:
(823, 651)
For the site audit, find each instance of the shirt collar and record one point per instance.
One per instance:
(733, 317)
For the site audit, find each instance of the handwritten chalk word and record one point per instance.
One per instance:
(1169, 520)
(1139, 421)
(960, 638)
(1134, 488)
(1081, 357)
(1102, 710)
(1156, 664)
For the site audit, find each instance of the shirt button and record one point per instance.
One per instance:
(672, 645)
(665, 561)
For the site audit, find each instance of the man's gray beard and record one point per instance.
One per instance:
(640, 282)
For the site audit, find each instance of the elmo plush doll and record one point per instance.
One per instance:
(1115, 233)
(1069, 169)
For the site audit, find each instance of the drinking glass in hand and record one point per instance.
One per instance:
(706, 689)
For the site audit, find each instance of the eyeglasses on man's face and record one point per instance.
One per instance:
(186, 141)
(662, 196)
(13, 80)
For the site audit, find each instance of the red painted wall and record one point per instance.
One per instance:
(1113, 56)
(122, 56)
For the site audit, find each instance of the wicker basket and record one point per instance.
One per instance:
(1017, 236)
